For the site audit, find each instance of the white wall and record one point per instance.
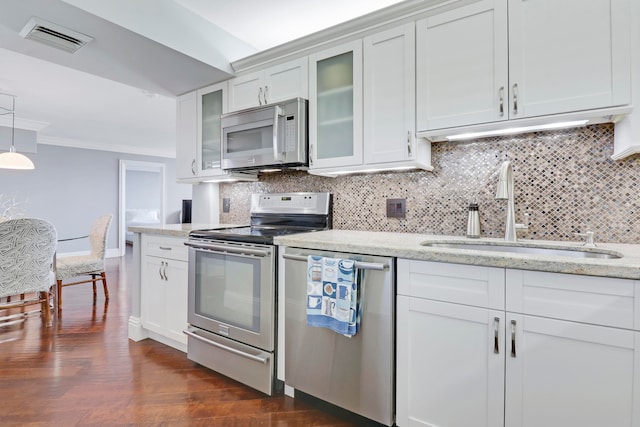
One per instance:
(70, 187)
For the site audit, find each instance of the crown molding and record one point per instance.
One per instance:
(23, 123)
(403, 10)
(93, 145)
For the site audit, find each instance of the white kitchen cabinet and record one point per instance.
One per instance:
(389, 99)
(568, 55)
(335, 107)
(450, 369)
(569, 374)
(564, 346)
(274, 84)
(499, 60)
(163, 290)
(198, 148)
(445, 374)
(186, 136)
(462, 69)
(212, 102)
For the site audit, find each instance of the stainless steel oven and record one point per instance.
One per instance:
(232, 286)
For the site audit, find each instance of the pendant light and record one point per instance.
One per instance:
(11, 159)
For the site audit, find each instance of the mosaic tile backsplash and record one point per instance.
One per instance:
(565, 182)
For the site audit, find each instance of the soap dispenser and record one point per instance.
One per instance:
(473, 222)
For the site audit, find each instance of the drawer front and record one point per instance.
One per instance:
(457, 283)
(588, 299)
(165, 247)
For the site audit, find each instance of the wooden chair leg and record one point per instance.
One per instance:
(104, 285)
(46, 310)
(59, 295)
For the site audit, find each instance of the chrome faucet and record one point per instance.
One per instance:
(505, 192)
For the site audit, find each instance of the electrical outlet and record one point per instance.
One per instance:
(226, 205)
(396, 208)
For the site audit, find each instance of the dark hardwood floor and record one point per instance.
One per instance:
(84, 371)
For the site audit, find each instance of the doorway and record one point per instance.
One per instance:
(142, 197)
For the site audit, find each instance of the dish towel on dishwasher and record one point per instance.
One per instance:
(332, 294)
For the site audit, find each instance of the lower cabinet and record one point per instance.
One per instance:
(163, 290)
(461, 365)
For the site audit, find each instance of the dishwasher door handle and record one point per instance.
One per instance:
(358, 264)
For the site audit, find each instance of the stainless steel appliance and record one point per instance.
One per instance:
(232, 286)
(354, 373)
(266, 137)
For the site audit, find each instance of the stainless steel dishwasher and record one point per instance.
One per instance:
(356, 373)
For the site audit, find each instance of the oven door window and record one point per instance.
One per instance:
(227, 289)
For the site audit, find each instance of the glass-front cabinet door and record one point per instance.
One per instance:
(212, 103)
(335, 107)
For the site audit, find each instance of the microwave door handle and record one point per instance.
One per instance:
(276, 149)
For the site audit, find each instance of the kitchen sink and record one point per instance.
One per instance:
(521, 249)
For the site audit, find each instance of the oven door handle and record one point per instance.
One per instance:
(228, 249)
(358, 264)
(255, 358)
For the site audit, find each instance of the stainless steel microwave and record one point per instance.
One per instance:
(271, 136)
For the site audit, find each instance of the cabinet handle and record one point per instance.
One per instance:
(496, 335)
(160, 270)
(409, 143)
(501, 101)
(264, 96)
(311, 154)
(165, 248)
(193, 167)
(513, 338)
(515, 98)
(164, 271)
(259, 94)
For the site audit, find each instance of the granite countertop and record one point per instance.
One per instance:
(408, 245)
(177, 230)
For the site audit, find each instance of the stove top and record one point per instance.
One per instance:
(247, 234)
(277, 214)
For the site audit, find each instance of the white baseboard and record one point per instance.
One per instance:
(136, 331)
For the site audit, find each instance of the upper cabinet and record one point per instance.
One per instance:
(211, 105)
(462, 66)
(568, 55)
(198, 136)
(278, 83)
(509, 59)
(186, 135)
(335, 107)
(389, 96)
(362, 106)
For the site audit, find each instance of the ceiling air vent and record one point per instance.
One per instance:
(54, 35)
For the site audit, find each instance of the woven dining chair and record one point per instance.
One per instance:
(91, 265)
(27, 248)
